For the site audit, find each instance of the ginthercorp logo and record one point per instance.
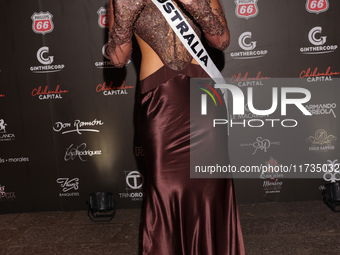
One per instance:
(239, 106)
(248, 45)
(321, 141)
(68, 185)
(204, 98)
(106, 54)
(42, 22)
(103, 17)
(316, 38)
(332, 171)
(47, 60)
(246, 8)
(317, 6)
(134, 181)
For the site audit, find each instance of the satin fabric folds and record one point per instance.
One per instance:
(181, 216)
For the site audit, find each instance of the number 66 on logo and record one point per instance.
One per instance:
(317, 6)
(246, 8)
(42, 22)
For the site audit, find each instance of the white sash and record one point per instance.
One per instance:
(189, 38)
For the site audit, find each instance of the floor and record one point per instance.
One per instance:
(270, 228)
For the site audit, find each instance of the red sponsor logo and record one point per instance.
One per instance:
(315, 73)
(246, 8)
(246, 80)
(39, 91)
(317, 6)
(42, 22)
(103, 17)
(2, 95)
(105, 87)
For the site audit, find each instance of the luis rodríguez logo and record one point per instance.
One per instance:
(317, 6)
(80, 151)
(321, 141)
(261, 144)
(48, 94)
(68, 185)
(246, 8)
(47, 60)
(111, 90)
(4, 135)
(248, 46)
(42, 22)
(316, 38)
(6, 196)
(134, 181)
(316, 76)
(77, 126)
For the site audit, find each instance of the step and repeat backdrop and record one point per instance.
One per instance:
(67, 117)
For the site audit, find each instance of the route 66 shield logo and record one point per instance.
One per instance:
(246, 8)
(42, 22)
(103, 17)
(317, 6)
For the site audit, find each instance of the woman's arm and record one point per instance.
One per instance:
(210, 16)
(122, 15)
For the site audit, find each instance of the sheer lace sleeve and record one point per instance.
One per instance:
(210, 16)
(125, 13)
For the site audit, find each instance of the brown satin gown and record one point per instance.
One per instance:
(181, 216)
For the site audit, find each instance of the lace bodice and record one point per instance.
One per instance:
(144, 18)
